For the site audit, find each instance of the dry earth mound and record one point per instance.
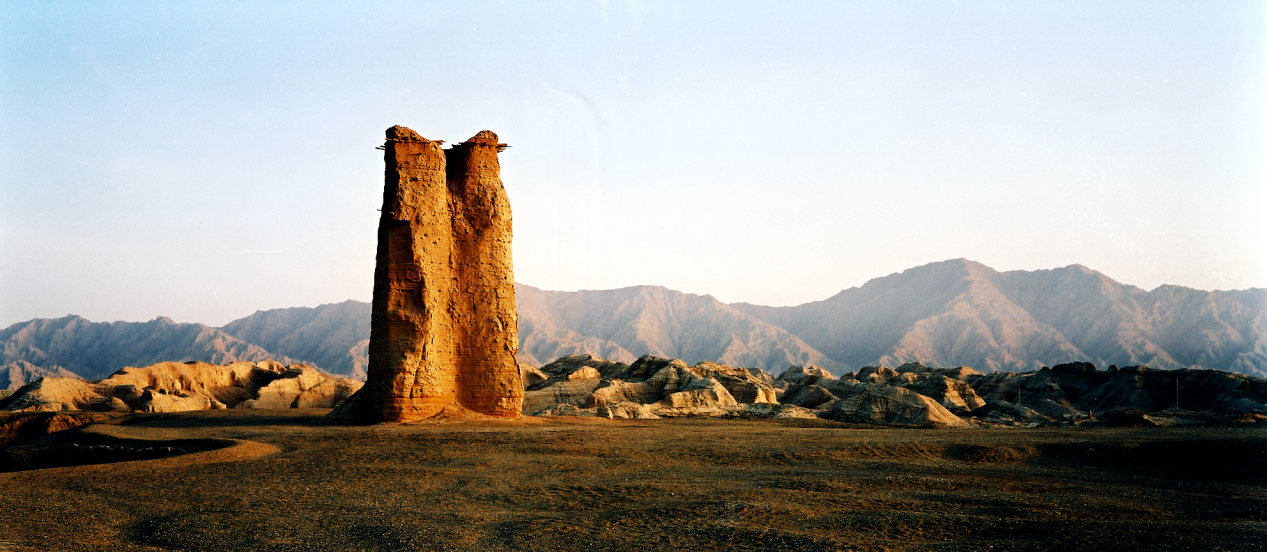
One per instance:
(185, 386)
(912, 395)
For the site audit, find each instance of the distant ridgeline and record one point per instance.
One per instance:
(952, 313)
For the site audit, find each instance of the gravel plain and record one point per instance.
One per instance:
(282, 480)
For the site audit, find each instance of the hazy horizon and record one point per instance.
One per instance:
(208, 160)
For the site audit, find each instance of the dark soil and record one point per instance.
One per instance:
(589, 484)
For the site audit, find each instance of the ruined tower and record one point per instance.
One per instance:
(443, 328)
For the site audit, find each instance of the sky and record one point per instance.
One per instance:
(204, 160)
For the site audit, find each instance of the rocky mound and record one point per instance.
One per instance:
(1076, 391)
(912, 394)
(184, 386)
(17, 427)
(654, 387)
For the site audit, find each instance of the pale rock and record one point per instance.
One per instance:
(186, 386)
(53, 395)
(282, 392)
(1004, 411)
(961, 373)
(807, 396)
(616, 391)
(531, 375)
(575, 393)
(328, 394)
(761, 375)
(695, 411)
(572, 363)
(788, 411)
(565, 409)
(648, 366)
(805, 375)
(229, 384)
(583, 374)
(169, 402)
(890, 405)
(627, 410)
(876, 374)
(768, 410)
(705, 393)
(913, 368)
(1041, 392)
(673, 377)
(741, 383)
(957, 396)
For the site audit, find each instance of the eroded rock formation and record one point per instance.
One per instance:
(186, 386)
(443, 327)
(652, 387)
(911, 395)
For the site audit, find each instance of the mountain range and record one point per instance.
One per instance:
(951, 313)
(961, 312)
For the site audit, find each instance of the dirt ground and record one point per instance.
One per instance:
(279, 480)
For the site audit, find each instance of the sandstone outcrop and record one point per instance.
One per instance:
(912, 394)
(627, 410)
(576, 393)
(1079, 390)
(531, 375)
(583, 385)
(813, 387)
(947, 386)
(186, 386)
(443, 324)
(650, 387)
(742, 384)
(327, 394)
(285, 390)
(872, 403)
(53, 395)
(805, 375)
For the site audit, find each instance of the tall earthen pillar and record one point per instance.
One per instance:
(444, 326)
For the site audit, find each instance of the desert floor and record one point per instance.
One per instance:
(591, 484)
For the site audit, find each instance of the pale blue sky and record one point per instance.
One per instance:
(204, 160)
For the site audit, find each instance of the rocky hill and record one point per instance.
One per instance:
(623, 324)
(962, 313)
(16, 374)
(912, 394)
(620, 324)
(333, 336)
(952, 313)
(185, 386)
